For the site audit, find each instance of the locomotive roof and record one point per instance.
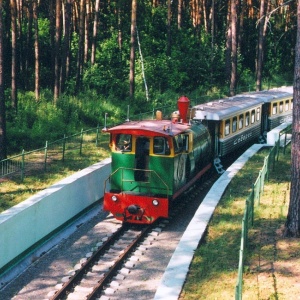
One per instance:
(224, 108)
(150, 127)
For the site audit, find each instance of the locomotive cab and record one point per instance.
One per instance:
(153, 162)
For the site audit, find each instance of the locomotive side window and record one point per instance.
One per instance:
(227, 127)
(247, 119)
(123, 142)
(178, 143)
(274, 111)
(175, 145)
(280, 107)
(234, 124)
(252, 116)
(185, 143)
(241, 121)
(161, 146)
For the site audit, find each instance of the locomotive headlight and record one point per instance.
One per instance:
(114, 198)
(155, 202)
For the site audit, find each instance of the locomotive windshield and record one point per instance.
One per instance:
(161, 146)
(123, 142)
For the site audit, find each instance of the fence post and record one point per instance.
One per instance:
(260, 183)
(45, 158)
(278, 149)
(97, 135)
(23, 165)
(274, 156)
(284, 146)
(81, 141)
(64, 148)
(252, 209)
(246, 225)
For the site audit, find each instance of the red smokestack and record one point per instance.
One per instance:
(183, 106)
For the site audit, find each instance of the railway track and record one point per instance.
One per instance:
(80, 282)
(94, 273)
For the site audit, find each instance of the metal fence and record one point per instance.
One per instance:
(254, 197)
(40, 159)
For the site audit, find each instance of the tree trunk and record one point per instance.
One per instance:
(13, 9)
(260, 46)
(36, 51)
(52, 39)
(228, 44)
(169, 29)
(86, 32)
(57, 49)
(179, 14)
(292, 226)
(212, 24)
(120, 35)
(24, 56)
(132, 49)
(66, 45)
(2, 99)
(233, 73)
(80, 45)
(95, 26)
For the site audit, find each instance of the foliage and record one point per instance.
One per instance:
(195, 67)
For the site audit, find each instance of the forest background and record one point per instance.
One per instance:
(64, 64)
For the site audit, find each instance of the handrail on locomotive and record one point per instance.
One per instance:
(140, 184)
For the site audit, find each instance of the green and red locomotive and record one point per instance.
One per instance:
(153, 162)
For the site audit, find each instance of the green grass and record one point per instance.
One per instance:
(213, 272)
(13, 190)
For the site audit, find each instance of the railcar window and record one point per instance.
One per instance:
(287, 105)
(227, 127)
(252, 116)
(291, 104)
(258, 114)
(123, 142)
(234, 124)
(161, 146)
(281, 107)
(247, 119)
(274, 111)
(241, 121)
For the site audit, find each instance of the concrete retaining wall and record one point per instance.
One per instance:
(30, 221)
(274, 134)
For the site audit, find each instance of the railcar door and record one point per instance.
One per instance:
(141, 158)
(265, 118)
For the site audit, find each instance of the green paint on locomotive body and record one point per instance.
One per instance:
(157, 179)
(164, 167)
(153, 158)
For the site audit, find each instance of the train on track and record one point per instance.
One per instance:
(155, 161)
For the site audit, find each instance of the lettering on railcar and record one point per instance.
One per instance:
(242, 138)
